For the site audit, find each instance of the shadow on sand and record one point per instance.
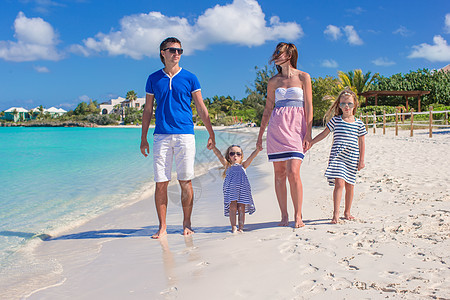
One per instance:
(148, 231)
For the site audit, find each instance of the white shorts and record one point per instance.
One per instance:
(168, 146)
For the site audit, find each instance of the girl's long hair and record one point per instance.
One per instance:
(227, 158)
(288, 48)
(335, 110)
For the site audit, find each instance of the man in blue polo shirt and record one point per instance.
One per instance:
(173, 89)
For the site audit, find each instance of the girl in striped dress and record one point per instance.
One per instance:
(237, 193)
(347, 152)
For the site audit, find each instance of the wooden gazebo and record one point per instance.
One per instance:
(406, 94)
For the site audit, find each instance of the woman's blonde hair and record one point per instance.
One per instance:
(227, 158)
(288, 48)
(335, 110)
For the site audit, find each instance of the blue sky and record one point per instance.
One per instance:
(61, 52)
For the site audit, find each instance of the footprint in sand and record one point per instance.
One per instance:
(311, 286)
(309, 269)
(346, 262)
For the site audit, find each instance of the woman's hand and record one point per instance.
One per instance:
(259, 146)
(307, 143)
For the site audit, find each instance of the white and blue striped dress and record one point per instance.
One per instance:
(236, 187)
(344, 156)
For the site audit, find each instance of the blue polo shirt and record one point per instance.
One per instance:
(173, 97)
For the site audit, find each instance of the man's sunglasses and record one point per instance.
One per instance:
(235, 153)
(174, 50)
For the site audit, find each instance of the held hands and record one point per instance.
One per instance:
(145, 148)
(259, 146)
(361, 165)
(307, 143)
(211, 143)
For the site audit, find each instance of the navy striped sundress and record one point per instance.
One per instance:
(236, 187)
(344, 156)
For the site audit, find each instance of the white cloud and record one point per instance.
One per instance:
(67, 105)
(40, 69)
(333, 32)
(84, 98)
(439, 51)
(241, 22)
(352, 36)
(403, 31)
(383, 62)
(357, 10)
(329, 63)
(36, 40)
(447, 23)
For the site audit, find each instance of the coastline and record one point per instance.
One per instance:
(395, 248)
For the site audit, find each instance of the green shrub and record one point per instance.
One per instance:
(101, 119)
(378, 111)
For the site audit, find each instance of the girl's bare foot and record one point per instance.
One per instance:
(284, 221)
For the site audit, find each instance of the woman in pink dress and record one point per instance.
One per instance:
(289, 108)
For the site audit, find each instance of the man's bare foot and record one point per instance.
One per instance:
(284, 221)
(349, 217)
(161, 233)
(187, 231)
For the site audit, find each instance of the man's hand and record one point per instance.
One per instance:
(145, 148)
(211, 144)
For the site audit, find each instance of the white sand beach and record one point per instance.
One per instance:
(398, 247)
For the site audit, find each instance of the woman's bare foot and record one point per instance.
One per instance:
(299, 224)
(349, 217)
(233, 229)
(161, 233)
(335, 220)
(241, 230)
(284, 221)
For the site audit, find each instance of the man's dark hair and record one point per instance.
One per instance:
(164, 46)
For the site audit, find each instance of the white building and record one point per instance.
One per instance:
(16, 114)
(19, 113)
(53, 111)
(108, 107)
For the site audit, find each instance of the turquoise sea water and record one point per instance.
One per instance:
(54, 178)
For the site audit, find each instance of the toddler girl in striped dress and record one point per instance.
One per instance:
(347, 152)
(237, 193)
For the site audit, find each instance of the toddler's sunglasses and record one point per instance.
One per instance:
(235, 153)
(174, 50)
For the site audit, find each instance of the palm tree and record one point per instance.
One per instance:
(131, 95)
(41, 112)
(15, 113)
(357, 81)
(31, 114)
